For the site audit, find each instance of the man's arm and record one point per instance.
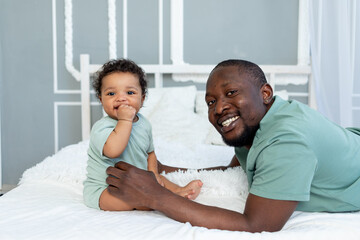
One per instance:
(161, 167)
(139, 187)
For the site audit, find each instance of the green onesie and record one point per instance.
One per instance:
(135, 153)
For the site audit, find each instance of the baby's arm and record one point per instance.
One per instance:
(153, 167)
(119, 137)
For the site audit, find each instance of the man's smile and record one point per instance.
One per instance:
(228, 121)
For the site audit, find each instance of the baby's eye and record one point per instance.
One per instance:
(130, 92)
(110, 94)
(231, 92)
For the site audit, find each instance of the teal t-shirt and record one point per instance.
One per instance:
(299, 155)
(135, 153)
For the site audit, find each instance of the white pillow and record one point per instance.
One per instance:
(214, 138)
(200, 105)
(169, 100)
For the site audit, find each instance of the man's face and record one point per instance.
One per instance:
(235, 105)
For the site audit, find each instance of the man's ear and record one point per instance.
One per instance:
(267, 93)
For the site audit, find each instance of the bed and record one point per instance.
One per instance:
(48, 202)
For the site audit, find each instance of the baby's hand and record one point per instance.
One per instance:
(126, 112)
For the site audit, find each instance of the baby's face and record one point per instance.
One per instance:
(121, 88)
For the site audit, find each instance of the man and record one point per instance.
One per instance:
(294, 158)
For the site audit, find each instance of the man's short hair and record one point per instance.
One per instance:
(251, 69)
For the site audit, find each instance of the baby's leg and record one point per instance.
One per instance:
(108, 202)
(190, 191)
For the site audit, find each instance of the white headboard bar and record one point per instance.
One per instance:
(85, 96)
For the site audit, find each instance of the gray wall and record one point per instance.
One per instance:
(261, 31)
(1, 90)
(26, 99)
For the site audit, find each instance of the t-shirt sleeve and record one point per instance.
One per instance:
(241, 154)
(151, 142)
(99, 135)
(284, 170)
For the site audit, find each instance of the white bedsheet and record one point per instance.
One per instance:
(48, 202)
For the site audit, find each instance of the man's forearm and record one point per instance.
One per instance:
(140, 188)
(197, 214)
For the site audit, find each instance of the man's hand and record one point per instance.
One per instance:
(133, 185)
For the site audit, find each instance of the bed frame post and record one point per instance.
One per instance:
(304, 47)
(85, 95)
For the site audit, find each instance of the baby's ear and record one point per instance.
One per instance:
(143, 99)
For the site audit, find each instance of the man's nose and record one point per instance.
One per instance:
(221, 105)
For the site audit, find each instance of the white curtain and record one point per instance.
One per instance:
(335, 57)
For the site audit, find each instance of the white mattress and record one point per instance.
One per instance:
(48, 202)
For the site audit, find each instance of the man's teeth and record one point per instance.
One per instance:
(227, 122)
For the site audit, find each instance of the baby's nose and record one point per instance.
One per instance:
(121, 98)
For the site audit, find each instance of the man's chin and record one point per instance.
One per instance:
(245, 139)
(233, 142)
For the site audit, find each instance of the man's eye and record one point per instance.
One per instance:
(231, 92)
(210, 103)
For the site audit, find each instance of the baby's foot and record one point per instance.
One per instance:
(192, 190)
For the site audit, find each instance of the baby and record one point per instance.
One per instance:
(123, 135)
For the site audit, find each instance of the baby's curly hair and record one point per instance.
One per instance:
(119, 65)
